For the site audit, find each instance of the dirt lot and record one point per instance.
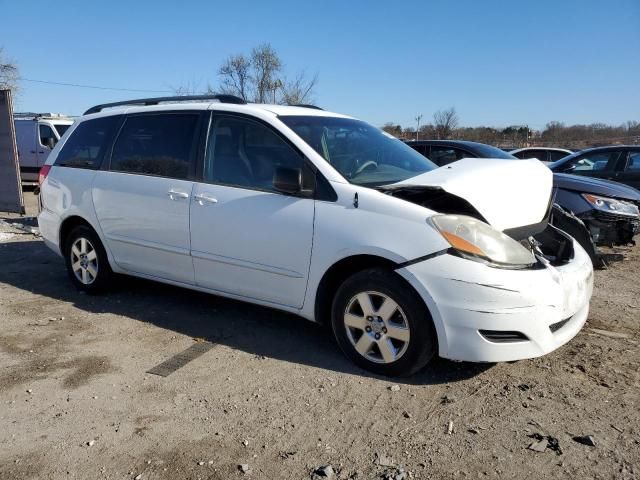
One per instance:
(274, 394)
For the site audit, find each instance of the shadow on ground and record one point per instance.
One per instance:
(31, 266)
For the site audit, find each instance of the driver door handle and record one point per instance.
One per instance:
(176, 195)
(203, 198)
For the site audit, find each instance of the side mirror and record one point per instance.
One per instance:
(51, 142)
(287, 180)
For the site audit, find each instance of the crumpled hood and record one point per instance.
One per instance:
(597, 186)
(508, 194)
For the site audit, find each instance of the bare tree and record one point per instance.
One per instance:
(259, 78)
(9, 73)
(266, 67)
(445, 122)
(235, 75)
(299, 90)
(190, 88)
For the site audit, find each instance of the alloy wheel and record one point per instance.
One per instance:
(377, 327)
(84, 261)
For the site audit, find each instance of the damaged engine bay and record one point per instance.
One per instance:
(546, 239)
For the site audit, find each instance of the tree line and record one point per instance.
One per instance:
(446, 125)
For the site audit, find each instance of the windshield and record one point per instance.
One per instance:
(61, 128)
(363, 154)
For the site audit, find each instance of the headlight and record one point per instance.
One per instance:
(611, 205)
(478, 241)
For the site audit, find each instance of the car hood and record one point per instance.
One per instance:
(597, 186)
(508, 194)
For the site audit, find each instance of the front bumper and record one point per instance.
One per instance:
(470, 302)
(609, 228)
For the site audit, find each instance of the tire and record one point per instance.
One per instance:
(396, 340)
(86, 260)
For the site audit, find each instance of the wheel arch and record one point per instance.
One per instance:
(67, 226)
(335, 275)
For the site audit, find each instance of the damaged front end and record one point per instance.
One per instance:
(549, 244)
(609, 228)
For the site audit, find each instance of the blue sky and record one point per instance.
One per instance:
(497, 62)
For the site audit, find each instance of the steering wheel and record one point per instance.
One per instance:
(367, 164)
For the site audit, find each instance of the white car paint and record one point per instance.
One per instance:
(274, 250)
(546, 149)
(507, 194)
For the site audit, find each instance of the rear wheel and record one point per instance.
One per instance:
(382, 324)
(86, 260)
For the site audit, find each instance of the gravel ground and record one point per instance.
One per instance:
(271, 397)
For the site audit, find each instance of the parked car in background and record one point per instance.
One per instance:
(36, 135)
(608, 210)
(620, 163)
(544, 154)
(322, 215)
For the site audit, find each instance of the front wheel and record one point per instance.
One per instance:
(86, 260)
(382, 324)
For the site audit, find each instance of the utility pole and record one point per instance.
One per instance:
(418, 118)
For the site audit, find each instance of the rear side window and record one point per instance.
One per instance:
(87, 144)
(161, 145)
(443, 155)
(539, 154)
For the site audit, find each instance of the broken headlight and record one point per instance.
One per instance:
(611, 205)
(476, 240)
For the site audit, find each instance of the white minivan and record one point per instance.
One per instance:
(322, 215)
(36, 135)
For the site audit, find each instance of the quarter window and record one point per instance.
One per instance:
(633, 165)
(244, 153)
(161, 145)
(87, 144)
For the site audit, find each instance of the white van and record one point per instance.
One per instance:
(321, 215)
(36, 135)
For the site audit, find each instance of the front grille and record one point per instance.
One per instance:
(503, 336)
(613, 217)
(554, 327)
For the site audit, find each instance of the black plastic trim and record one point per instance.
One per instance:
(423, 258)
(504, 336)
(306, 105)
(156, 100)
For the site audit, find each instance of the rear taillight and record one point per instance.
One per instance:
(44, 171)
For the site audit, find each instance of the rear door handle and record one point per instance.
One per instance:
(203, 198)
(176, 195)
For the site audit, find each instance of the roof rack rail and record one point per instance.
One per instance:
(39, 115)
(178, 98)
(305, 105)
